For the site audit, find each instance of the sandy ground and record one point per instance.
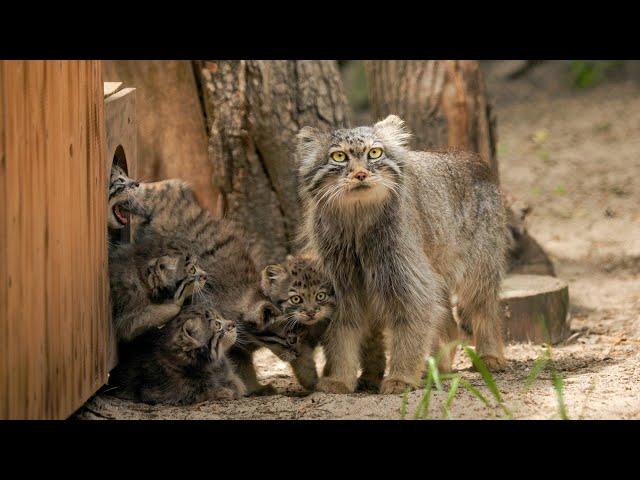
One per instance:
(573, 155)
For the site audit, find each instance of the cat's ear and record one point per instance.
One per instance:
(270, 274)
(393, 131)
(308, 141)
(190, 335)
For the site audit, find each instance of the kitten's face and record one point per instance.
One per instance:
(171, 274)
(304, 295)
(201, 332)
(121, 199)
(359, 166)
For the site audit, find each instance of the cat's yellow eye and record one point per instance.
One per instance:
(192, 270)
(295, 299)
(321, 296)
(375, 153)
(218, 325)
(338, 156)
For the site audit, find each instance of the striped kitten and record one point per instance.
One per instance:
(150, 282)
(307, 299)
(121, 199)
(233, 283)
(182, 363)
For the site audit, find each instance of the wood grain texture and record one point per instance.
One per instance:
(54, 317)
(443, 102)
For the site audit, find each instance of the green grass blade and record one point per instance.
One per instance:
(558, 386)
(474, 391)
(484, 372)
(487, 377)
(450, 396)
(538, 366)
(435, 374)
(404, 404)
(423, 407)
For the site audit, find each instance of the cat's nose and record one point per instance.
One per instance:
(231, 325)
(361, 175)
(136, 184)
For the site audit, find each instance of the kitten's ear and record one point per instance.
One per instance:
(269, 275)
(393, 130)
(189, 336)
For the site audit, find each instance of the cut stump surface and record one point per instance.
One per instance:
(532, 305)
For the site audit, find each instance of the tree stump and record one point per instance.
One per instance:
(535, 308)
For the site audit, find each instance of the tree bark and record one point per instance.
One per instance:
(253, 111)
(444, 104)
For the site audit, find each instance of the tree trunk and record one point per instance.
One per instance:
(253, 111)
(172, 139)
(444, 104)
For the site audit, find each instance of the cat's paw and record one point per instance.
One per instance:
(395, 385)
(265, 390)
(329, 385)
(495, 364)
(222, 393)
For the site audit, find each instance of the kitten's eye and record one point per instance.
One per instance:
(162, 266)
(338, 156)
(295, 299)
(375, 153)
(321, 296)
(218, 325)
(192, 270)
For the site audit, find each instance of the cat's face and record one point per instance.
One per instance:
(122, 201)
(347, 167)
(302, 293)
(174, 274)
(199, 331)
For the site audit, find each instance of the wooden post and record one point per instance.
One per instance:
(121, 148)
(54, 297)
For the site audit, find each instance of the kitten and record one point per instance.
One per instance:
(307, 299)
(182, 363)
(122, 199)
(232, 280)
(150, 281)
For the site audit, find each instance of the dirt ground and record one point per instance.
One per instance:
(573, 155)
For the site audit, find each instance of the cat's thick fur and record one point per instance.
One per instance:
(183, 362)
(150, 282)
(400, 233)
(307, 299)
(233, 282)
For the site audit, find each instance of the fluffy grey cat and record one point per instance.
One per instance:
(400, 233)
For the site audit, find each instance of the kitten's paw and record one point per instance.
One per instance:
(368, 384)
(222, 393)
(395, 385)
(495, 364)
(328, 385)
(265, 390)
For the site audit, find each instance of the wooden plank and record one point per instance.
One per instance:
(120, 148)
(55, 317)
(112, 87)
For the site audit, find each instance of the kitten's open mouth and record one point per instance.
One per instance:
(121, 214)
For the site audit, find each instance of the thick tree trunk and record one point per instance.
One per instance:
(442, 101)
(444, 104)
(253, 111)
(172, 139)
